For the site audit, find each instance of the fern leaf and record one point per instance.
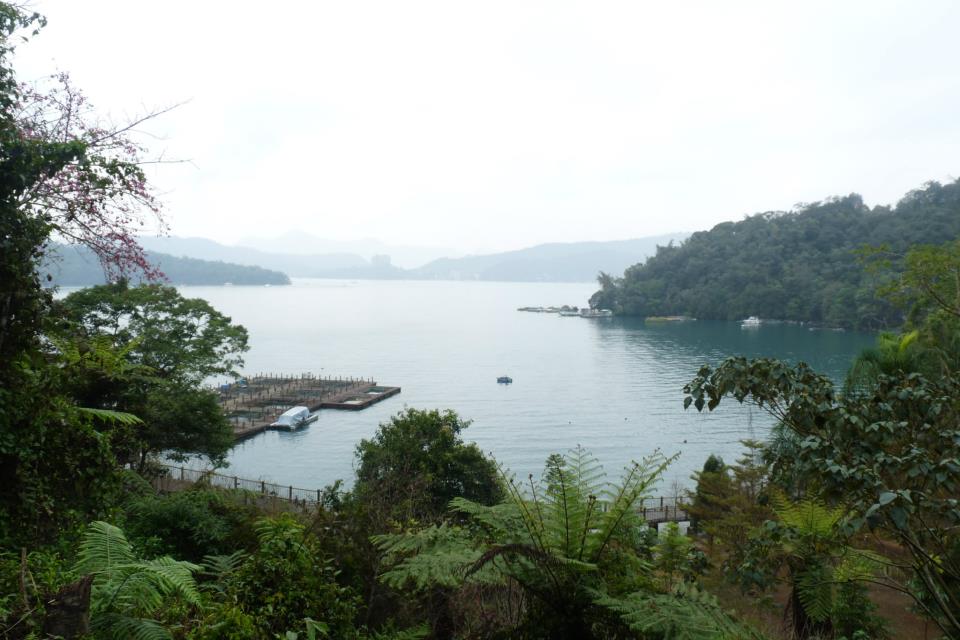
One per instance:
(107, 415)
(436, 556)
(815, 589)
(219, 566)
(120, 627)
(688, 614)
(103, 547)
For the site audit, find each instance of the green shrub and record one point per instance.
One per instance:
(189, 524)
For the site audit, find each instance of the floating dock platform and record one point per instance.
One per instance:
(253, 404)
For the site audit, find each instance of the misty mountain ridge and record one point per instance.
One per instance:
(303, 243)
(551, 262)
(77, 266)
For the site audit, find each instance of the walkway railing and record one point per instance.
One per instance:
(652, 510)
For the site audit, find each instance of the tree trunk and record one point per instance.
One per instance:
(68, 612)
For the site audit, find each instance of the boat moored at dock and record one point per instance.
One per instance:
(294, 418)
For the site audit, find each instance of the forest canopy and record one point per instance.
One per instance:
(803, 265)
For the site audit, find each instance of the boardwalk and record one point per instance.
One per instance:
(653, 510)
(252, 404)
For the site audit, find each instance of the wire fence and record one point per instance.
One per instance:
(652, 510)
(179, 478)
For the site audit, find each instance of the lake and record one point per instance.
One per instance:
(612, 385)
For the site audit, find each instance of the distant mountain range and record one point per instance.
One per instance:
(70, 265)
(555, 262)
(300, 242)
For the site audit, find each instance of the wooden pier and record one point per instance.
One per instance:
(253, 403)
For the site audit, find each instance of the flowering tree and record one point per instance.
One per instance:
(101, 197)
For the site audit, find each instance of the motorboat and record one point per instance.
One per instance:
(294, 418)
(504, 380)
(752, 321)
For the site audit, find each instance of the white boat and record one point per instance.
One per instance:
(752, 321)
(596, 313)
(294, 418)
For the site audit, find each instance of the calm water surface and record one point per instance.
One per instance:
(611, 385)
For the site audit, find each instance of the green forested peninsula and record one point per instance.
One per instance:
(77, 266)
(801, 265)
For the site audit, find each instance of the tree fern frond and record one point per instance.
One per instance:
(688, 614)
(535, 555)
(499, 521)
(103, 546)
(809, 517)
(436, 556)
(108, 415)
(119, 627)
(124, 587)
(814, 587)
(218, 566)
(277, 528)
(859, 564)
(586, 470)
(623, 499)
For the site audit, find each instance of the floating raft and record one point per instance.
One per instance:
(253, 404)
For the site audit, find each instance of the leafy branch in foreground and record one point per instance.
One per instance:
(127, 591)
(890, 452)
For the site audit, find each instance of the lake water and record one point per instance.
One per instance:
(612, 385)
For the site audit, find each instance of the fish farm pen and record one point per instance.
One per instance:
(252, 404)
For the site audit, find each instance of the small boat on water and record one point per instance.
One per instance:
(752, 321)
(504, 380)
(294, 418)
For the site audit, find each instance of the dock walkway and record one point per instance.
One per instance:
(253, 403)
(654, 510)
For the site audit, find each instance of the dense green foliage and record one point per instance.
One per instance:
(71, 266)
(417, 463)
(564, 558)
(179, 339)
(891, 455)
(801, 265)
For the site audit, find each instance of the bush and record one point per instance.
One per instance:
(189, 524)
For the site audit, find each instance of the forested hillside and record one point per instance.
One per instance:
(71, 266)
(801, 265)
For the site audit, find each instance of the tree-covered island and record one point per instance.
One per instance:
(804, 265)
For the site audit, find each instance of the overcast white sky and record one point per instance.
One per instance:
(497, 125)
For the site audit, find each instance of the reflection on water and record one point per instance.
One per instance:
(612, 385)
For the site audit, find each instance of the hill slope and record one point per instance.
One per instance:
(71, 265)
(555, 262)
(798, 265)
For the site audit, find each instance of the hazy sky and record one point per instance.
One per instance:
(496, 125)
